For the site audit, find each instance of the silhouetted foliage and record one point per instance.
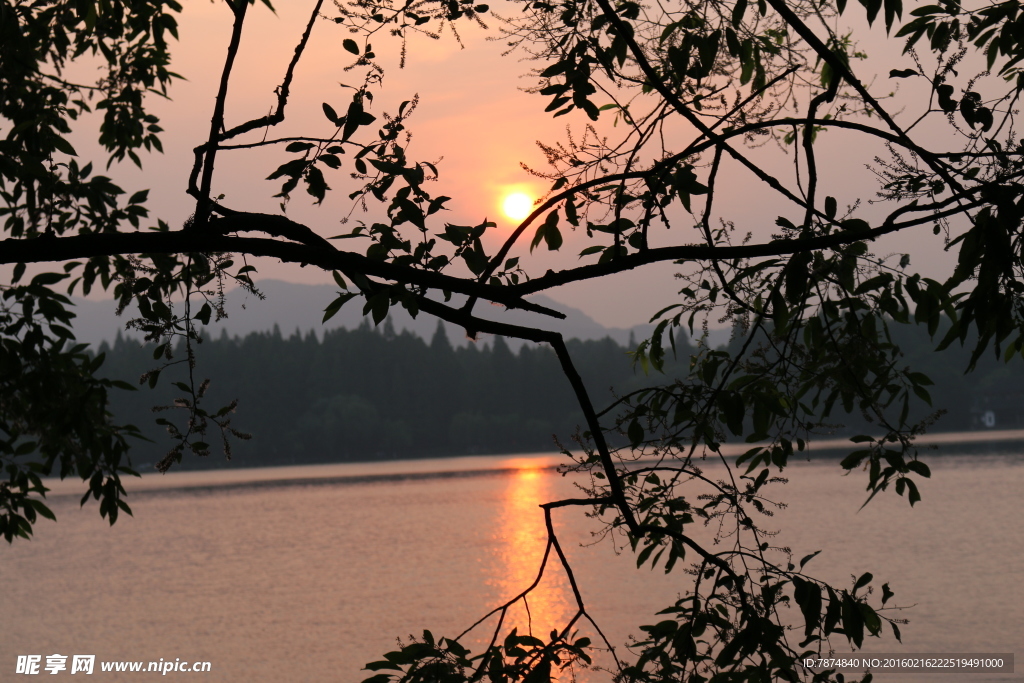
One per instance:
(695, 91)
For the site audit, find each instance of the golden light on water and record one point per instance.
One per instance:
(517, 205)
(521, 538)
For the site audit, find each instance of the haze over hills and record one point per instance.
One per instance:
(293, 306)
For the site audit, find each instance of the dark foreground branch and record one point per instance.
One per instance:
(307, 248)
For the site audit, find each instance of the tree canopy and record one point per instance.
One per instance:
(685, 99)
(372, 394)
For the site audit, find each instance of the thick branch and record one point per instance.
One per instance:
(578, 501)
(217, 120)
(473, 325)
(317, 251)
(284, 89)
(744, 251)
(314, 251)
(808, 141)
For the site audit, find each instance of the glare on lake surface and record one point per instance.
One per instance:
(309, 580)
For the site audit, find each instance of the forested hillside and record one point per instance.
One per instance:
(368, 394)
(373, 394)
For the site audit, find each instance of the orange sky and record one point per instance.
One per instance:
(473, 118)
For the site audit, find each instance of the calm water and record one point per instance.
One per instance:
(308, 580)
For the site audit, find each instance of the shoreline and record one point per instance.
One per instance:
(966, 443)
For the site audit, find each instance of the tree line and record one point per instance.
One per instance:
(371, 393)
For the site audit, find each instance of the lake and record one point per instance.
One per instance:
(307, 573)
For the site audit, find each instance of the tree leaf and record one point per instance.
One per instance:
(335, 306)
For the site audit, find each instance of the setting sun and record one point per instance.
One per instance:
(517, 206)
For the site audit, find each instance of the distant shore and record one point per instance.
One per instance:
(940, 443)
(469, 465)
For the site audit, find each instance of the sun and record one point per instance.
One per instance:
(517, 206)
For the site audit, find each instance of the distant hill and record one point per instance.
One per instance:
(300, 307)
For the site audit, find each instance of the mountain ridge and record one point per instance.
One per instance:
(292, 306)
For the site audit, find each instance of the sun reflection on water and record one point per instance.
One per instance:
(520, 539)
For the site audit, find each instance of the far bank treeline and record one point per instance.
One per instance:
(370, 394)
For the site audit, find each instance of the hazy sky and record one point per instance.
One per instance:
(473, 119)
